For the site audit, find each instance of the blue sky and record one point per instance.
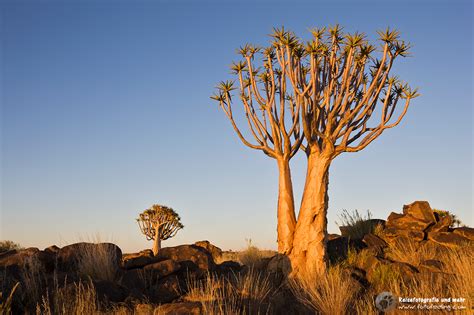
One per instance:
(106, 110)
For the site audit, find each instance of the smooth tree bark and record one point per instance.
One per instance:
(340, 98)
(338, 84)
(273, 122)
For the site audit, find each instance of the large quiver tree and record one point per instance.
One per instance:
(273, 120)
(347, 100)
(159, 223)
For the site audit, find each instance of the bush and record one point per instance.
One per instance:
(8, 245)
(356, 225)
(443, 213)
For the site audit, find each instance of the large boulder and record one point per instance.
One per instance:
(139, 260)
(198, 255)
(420, 210)
(166, 290)
(416, 216)
(442, 224)
(279, 264)
(448, 239)
(465, 232)
(215, 251)
(69, 257)
(110, 291)
(163, 268)
(337, 249)
(372, 240)
(13, 262)
(394, 236)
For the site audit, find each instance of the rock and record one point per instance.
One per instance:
(372, 240)
(333, 236)
(138, 260)
(345, 230)
(14, 262)
(465, 232)
(53, 249)
(431, 265)
(163, 268)
(198, 255)
(229, 266)
(337, 249)
(166, 290)
(448, 239)
(393, 235)
(406, 222)
(215, 251)
(420, 210)
(181, 308)
(134, 279)
(69, 256)
(279, 264)
(110, 291)
(442, 225)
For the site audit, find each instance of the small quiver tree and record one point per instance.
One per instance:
(159, 223)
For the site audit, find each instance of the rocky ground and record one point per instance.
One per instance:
(146, 284)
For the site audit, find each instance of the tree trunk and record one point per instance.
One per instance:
(286, 208)
(308, 255)
(157, 241)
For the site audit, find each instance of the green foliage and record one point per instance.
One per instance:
(8, 245)
(455, 222)
(163, 217)
(356, 225)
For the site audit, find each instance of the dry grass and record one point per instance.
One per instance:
(6, 303)
(356, 224)
(79, 298)
(241, 294)
(97, 262)
(33, 281)
(412, 253)
(328, 294)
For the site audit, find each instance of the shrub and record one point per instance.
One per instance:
(454, 219)
(356, 225)
(8, 245)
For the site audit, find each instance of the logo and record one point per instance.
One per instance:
(385, 302)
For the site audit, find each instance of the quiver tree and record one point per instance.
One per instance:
(273, 120)
(159, 223)
(340, 85)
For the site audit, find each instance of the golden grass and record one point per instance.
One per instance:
(77, 299)
(97, 262)
(328, 294)
(244, 293)
(6, 303)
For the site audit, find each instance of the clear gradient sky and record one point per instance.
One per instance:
(106, 110)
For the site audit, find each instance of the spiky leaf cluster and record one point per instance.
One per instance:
(159, 219)
(330, 84)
